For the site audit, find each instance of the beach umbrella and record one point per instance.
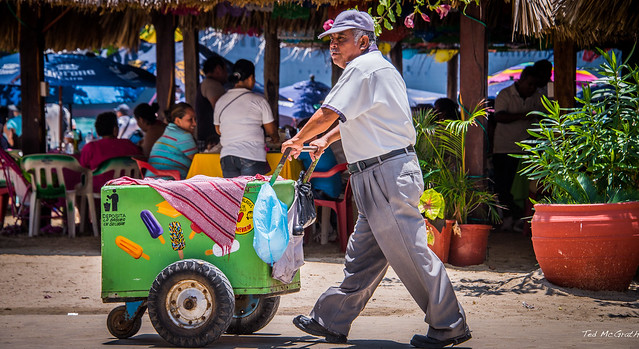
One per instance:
(300, 100)
(513, 73)
(79, 70)
(507, 77)
(73, 70)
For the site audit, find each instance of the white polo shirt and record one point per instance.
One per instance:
(506, 134)
(371, 99)
(240, 122)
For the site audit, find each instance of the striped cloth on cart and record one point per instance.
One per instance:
(210, 203)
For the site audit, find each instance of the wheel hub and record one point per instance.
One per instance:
(189, 304)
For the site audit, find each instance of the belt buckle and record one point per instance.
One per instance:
(361, 165)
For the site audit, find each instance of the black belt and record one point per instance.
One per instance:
(363, 164)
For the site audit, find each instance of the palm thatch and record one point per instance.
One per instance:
(93, 24)
(586, 22)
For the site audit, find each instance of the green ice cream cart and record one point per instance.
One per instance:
(152, 257)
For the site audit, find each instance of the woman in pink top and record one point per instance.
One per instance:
(108, 147)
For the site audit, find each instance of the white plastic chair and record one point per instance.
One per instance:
(111, 169)
(48, 182)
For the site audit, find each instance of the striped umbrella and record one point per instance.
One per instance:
(513, 73)
(507, 77)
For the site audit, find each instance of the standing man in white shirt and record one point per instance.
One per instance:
(126, 123)
(378, 135)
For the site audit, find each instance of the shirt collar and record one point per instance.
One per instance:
(371, 48)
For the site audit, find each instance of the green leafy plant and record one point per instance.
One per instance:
(441, 149)
(589, 154)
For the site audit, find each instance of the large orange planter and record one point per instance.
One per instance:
(441, 239)
(469, 246)
(592, 247)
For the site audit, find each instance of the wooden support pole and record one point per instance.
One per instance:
(272, 67)
(397, 57)
(31, 44)
(191, 63)
(473, 53)
(565, 73)
(452, 76)
(165, 62)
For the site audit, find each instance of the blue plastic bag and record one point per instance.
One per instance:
(271, 227)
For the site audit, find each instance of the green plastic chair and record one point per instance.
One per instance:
(48, 182)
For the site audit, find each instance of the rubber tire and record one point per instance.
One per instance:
(256, 320)
(121, 328)
(217, 285)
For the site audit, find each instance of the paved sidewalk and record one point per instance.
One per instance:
(89, 331)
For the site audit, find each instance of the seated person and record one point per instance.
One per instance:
(329, 188)
(108, 147)
(147, 119)
(446, 109)
(13, 127)
(176, 148)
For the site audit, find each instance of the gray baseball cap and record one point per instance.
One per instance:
(351, 19)
(122, 108)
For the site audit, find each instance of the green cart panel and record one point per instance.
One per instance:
(132, 256)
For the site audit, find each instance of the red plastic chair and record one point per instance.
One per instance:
(17, 189)
(343, 206)
(143, 165)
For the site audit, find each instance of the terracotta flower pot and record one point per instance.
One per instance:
(468, 246)
(592, 247)
(440, 239)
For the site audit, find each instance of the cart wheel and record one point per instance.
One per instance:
(119, 326)
(252, 313)
(191, 303)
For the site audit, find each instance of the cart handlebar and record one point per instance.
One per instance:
(287, 152)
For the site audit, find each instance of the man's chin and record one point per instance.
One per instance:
(337, 61)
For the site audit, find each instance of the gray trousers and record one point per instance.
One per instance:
(390, 230)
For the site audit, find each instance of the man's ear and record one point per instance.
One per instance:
(364, 42)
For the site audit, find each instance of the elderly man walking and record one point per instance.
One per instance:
(378, 135)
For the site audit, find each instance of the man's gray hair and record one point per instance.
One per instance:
(358, 33)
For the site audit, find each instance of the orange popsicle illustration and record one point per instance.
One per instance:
(130, 247)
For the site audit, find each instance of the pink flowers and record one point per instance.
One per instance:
(328, 24)
(442, 10)
(409, 20)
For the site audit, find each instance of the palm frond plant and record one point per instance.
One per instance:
(590, 154)
(441, 149)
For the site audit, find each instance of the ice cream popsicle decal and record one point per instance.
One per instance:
(136, 251)
(152, 225)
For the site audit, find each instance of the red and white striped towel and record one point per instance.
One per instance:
(210, 203)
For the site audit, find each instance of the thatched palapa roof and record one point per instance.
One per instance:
(93, 24)
(586, 22)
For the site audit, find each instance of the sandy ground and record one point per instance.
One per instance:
(508, 302)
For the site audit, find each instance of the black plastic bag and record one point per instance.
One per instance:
(305, 202)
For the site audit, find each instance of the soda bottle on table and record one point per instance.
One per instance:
(68, 147)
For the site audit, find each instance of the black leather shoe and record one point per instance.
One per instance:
(421, 341)
(313, 327)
